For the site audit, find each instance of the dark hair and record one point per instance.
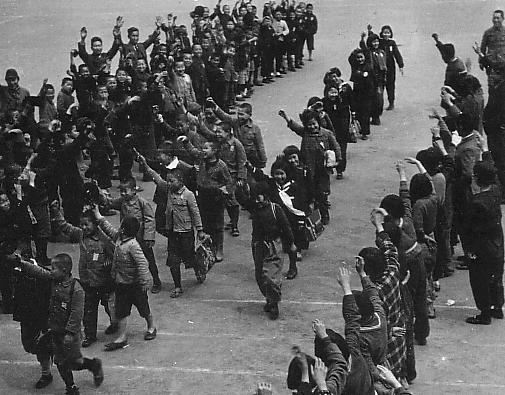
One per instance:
(295, 372)
(130, 226)
(371, 38)
(63, 261)
(393, 205)
(49, 86)
(132, 30)
(246, 107)
(260, 188)
(96, 39)
(132, 183)
(308, 115)
(430, 159)
(420, 187)
(386, 27)
(65, 80)
(279, 164)
(82, 66)
(374, 262)
(313, 100)
(177, 174)
(88, 214)
(498, 12)
(485, 173)
(290, 150)
(365, 307)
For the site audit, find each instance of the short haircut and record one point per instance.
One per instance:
(65, 80)
(430, 158)
(63, 261)
(226, 126)
(88, 214)
(82, 66)
(132, 30)
(364, 304)
(374, 262)
(130, 181)
(49, 86)
(485, 173)
(178, 174)
(498, 12)
(130, 226)
(96, 38)
(393, 205)
(246, 107)
(308, 115)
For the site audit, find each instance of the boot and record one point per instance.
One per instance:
(391, 106)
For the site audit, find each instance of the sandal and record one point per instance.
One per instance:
(176, 293)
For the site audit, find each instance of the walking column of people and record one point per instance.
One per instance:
(180, 112)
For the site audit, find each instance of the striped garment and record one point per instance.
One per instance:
(389, 291)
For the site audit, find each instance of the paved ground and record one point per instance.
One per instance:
(215, 339)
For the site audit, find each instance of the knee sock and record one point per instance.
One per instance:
(66, 375)
(45, 364)
(175, 270)
(292, 261)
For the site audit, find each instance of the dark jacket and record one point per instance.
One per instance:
(483, 226)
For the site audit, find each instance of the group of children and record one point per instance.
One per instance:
(171, 111)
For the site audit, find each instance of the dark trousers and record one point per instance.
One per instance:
(363, 110)
(321, 192)
(496, 144)
(300, 42)
(442, 237)
(267, 62)
(377, 102)
(415, 262)
(486, 280)
(72, 205)
(30, 332)
(342, 165)
(92, 297)
(6, 285)
(268, 270)
(181, 249)
(279, 51)
(212, 213)
(153, 268)
(390, 83)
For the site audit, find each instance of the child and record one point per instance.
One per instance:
(393, 55)
(131, 204)
(129, 272)
(65, 98)
(377, 60)
(96, 253)
(181, 83)
(217, 81)
(316, 142)
(182, 218)
(269, 224)
(310, 27)
(230, 75)
(45, 102)
(213, 183)
(65, 315)
(364, 86)
(337, 104)
(292, 197)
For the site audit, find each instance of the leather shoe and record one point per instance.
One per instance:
(479, 320)
(44, 381)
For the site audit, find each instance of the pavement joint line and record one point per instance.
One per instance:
(178, 369)
(314, 303)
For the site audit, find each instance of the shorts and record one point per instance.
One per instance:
(67, 354)
(128, 295)
(30, 333)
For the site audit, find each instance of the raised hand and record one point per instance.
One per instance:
(319, 371)
(319, 328)
(84, 33)
(360, 265)
(158, 21)
(119, 22)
